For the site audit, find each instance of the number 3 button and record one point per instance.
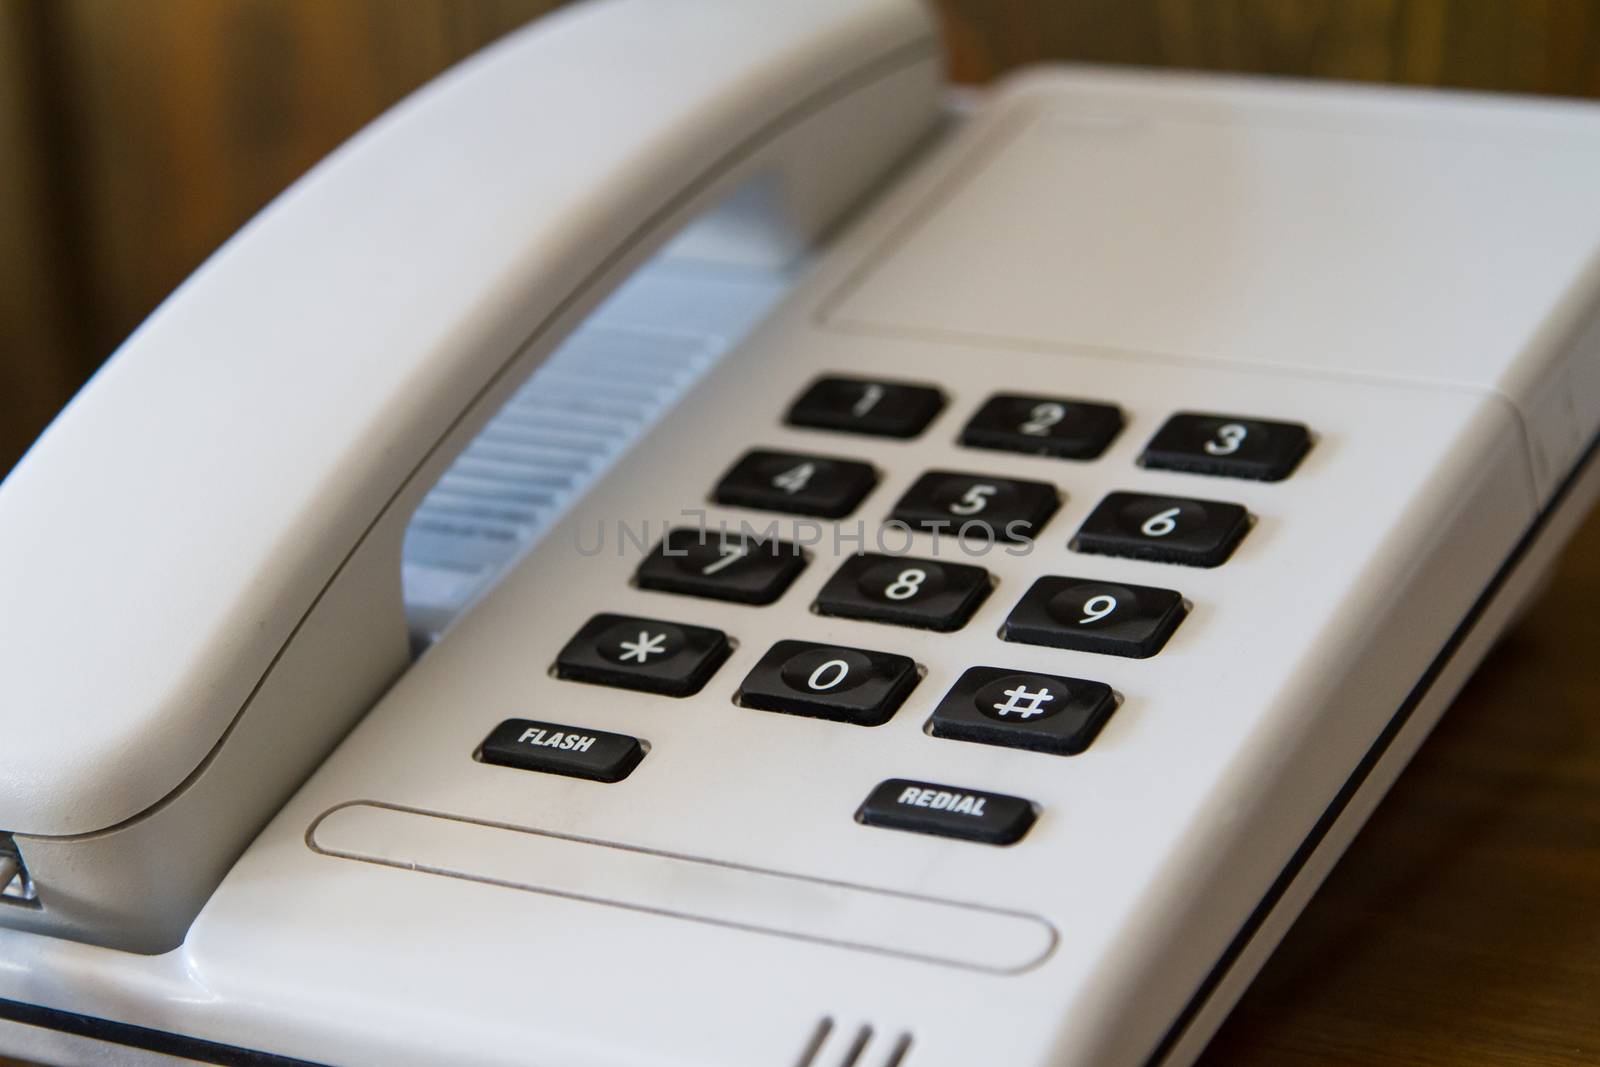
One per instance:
(1090, 616)
(905, 591)
(828, 682)
(1166, 529)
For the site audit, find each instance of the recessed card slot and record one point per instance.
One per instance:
(684, 887)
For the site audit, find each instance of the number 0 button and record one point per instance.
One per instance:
(1165, 529)
(1090, 616)
(905, 591)
(1228, 445)
(829, 682)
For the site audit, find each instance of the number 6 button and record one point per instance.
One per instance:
(1090, 616)
(1166, 529)
(829, 682)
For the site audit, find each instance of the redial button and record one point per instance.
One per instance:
(947, 811)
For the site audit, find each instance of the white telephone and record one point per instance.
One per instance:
(1100, 488)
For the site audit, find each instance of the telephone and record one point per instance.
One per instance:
(958, 573)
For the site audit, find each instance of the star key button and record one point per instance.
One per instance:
(645, 654)
(1038, 712)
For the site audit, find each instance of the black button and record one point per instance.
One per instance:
(947, 811)
(905, 590)
(569, 750)
(1228, 445)
(1090, 616)
(721, 565)
(647, 654)
(1044, 426)
(862, 405)
(828, 682)
(975, 505)
(1166, 529)
(1039, 712)
(796, 484)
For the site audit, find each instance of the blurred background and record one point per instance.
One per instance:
(136, 135)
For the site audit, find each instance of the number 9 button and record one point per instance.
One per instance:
(1090, 616)
(905, 591)
(1165, 529)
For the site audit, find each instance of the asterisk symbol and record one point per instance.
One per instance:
(646, 646)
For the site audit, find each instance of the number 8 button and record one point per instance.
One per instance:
(1165, 529)
(905, 591)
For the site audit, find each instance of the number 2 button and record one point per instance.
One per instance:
(905, 591)
(1165, 529)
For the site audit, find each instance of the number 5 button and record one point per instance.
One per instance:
(829, 682)
(1090, 616)
(1166, 529)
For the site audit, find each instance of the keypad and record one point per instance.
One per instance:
(1228, 445)
(570, 750)
(796, 484)
(1020, 709)
(1164, 529)
(864, 405)
(672, 659)
(1091, 616)
(947, 811)
(905, 591)
(1043, 426)
(721, 565)
(977, 506)
(1038, 712)
(851, 685)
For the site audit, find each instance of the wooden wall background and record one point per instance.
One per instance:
(135, 135)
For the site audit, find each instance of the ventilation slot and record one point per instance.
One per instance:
(832, 1045)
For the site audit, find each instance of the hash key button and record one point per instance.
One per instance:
(947, 811)
(646, 654)
(796, 484)
(1228, 446)
(1165, 529)
(860, 405)
(569, 750)
(1038, 712)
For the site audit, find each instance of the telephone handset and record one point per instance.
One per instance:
(200, 557)
(981, 663)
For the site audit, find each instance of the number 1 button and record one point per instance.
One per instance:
(1165, 529)
(859, 405)
(829, 682)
